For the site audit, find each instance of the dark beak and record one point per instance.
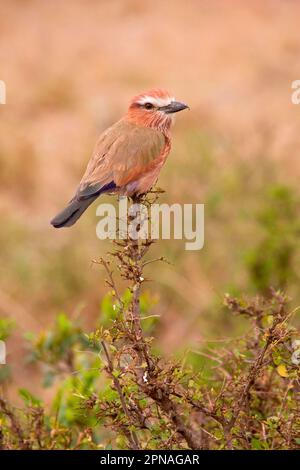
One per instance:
(173, 107)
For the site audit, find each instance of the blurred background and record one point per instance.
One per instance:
(70, 69)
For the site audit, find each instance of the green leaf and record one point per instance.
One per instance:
(49, 379)
(63, 322)
(256, 444)
(28, 398)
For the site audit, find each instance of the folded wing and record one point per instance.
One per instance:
(122, 154)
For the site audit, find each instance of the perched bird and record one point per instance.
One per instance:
(128, 156)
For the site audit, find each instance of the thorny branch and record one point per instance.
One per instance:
(248, 400)
(130, 254)
(110, 369)
(189, 416)
(15, 425)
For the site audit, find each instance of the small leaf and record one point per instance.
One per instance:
(281, 369)
(28, 398)
(107, 336)
(256, 444)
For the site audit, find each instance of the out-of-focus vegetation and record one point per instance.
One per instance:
(234, 394)
(236, 152)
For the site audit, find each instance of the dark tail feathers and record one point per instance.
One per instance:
(72, 212)
(78, 205)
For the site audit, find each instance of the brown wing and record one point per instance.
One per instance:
(122, 154)
(137, 153)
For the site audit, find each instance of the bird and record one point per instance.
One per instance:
(128, 156)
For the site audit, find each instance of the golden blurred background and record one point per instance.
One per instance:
(70, 69)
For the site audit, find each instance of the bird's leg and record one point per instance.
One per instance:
(156, 190)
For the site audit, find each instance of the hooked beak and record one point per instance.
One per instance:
(173, 107)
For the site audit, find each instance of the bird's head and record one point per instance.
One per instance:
(154, 108)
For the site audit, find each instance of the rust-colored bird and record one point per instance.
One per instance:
(128, 156)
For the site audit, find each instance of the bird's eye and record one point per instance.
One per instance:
(149, 106)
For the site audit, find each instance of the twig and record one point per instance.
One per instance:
(134, 440)
(15, 425)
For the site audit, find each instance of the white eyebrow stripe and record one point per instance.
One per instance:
(156, 101)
